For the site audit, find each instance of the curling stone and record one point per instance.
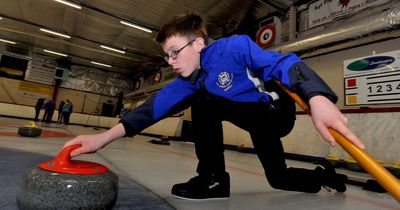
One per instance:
(63, 183)
(31, 130)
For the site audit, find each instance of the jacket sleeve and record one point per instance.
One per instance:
(289, 69)
(173, 98)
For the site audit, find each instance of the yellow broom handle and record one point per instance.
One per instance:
(382, 176)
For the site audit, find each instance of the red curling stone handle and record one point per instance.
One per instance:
(62, 163)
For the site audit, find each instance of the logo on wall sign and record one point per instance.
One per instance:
(225, 80)
(370, 63)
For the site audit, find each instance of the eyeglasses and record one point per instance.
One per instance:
(174, 53)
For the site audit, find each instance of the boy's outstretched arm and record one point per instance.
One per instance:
(326, 115)
(92, 143)
(169, 100)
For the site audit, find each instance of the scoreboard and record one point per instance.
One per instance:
(373, 79)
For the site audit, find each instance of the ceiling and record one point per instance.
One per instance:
(98, 23)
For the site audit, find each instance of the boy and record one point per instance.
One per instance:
(232, 79)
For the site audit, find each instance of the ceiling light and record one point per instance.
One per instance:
(56, 53)
(69, 4)
(7, 41)
(55, 33)
(100, 64)
(113, 49)
(136, 26)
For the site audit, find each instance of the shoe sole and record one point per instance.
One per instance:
(201, 199)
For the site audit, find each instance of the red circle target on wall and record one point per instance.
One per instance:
(266, 36)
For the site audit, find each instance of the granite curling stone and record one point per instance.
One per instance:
(68, 184)
(31, 130)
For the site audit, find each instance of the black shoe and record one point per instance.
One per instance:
(332, 180)
(203, 188)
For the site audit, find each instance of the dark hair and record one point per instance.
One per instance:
(186, 24)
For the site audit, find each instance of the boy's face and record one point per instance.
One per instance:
(183, 54)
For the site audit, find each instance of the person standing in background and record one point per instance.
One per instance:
(60, 108)
(66, 111)
(38, 107)
(49, 107)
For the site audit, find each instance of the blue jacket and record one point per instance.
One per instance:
(234, 68)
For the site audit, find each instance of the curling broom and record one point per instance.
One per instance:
(382, 176)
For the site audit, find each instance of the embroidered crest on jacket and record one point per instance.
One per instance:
(225, 80)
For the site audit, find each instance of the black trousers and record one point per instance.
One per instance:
(37, 112)
(66, 116)
(60, 116)
(266, 123)
(48, 115)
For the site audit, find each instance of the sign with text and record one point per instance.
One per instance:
(324, 11)
(35, 90)
(373, 79)
(40, 72)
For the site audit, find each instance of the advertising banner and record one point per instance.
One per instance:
(34, 90)
(324, 11)
(40, 72)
